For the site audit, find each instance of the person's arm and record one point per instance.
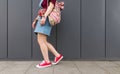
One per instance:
(48, 11)
(34, 22)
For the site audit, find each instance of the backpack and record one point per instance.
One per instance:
(55, 15)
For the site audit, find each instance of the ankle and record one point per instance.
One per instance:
(48, 61)
(57, 55)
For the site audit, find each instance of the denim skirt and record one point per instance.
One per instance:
(44, 29)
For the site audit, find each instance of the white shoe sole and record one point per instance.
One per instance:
(53, 63)
(42, 66)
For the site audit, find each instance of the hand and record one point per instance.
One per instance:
(43, 20)
(33, 24)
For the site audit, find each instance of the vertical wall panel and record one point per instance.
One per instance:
(3, 28)
(93, 29)
(113, 28)
(36, 49)
(52, 39)
(68, 31)
(19, 28)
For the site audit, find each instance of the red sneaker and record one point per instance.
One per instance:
(57, 59)
(43, 64)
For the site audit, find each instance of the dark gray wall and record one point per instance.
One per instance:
(113, 29)
(3, 28)
(19, 28)
(93, 29)
(89, 30)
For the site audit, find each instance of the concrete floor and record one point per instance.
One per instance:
(64, 67)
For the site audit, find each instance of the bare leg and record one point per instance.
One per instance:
(52, 49)
(42, 39)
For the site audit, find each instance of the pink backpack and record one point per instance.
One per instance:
(55, 15)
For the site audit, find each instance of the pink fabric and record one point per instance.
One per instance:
(55, 15)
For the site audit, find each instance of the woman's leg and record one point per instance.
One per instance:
(42, 39)
(52, 49)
